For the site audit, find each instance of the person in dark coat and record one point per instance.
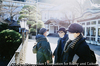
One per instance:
(76, 49)
(60, 46)
(44, 53)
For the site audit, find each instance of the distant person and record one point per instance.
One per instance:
(77, 46)
(44, 53)
(58, 53)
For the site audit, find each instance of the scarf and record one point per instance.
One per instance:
(71, 44)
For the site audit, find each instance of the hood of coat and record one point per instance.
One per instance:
(40, 37)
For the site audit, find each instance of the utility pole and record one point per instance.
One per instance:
(36, 16)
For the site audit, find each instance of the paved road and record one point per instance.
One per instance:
(96, 49)
(31, 58)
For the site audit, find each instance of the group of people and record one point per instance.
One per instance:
(71, 46)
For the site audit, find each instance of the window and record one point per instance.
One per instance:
(83, 23)
(84, 31)
(80, 23)
(93, 39)
(99, 22)
(88, 38)
(88, 23)
(93, 31)
(99, 40)
(47, 26)
(88, 31)
(45, 16)
(55, 29)
(93, 23)
(99, 31)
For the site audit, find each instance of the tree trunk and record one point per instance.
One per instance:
(0, 6)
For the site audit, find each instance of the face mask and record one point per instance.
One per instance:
(61, 35)
(71, 36)
(47, 33)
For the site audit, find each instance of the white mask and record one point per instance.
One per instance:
(71, 36)
(47, 33)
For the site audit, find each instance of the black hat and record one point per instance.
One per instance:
(62, 29)
(42, 30)
(75, 28)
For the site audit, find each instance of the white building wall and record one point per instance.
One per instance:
(96, 26)
(51, 29)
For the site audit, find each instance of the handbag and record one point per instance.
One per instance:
(34, 49)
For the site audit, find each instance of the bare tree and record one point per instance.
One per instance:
(0, 5)
(75, 8)
(1, 10)
(10, 9)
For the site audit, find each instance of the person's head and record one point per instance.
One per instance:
(43, 31)
(61, 32)
(74, 31)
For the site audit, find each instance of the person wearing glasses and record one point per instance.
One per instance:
(58, 53)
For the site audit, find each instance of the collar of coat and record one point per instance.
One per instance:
(40, 38)
(72, 44)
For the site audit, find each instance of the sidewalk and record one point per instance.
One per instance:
(96, 49)
(30, 57)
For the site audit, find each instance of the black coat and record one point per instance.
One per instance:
(81, 49)
(57, 53)
(44, 51)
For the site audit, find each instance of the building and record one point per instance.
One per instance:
(20, 0)
(15, 7)
(48, 12)
(91, 23)
(54, 19)
(54, 24)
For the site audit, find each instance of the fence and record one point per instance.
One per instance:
(20, 54)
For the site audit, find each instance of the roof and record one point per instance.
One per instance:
(15, 24)
(52, 20)
(93, 18)
(95, 12)
(58, 22)
(4, 21)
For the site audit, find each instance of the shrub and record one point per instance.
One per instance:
(3, 26)
(9, 42)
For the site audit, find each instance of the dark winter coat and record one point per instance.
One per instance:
(58, 53)
(44, 51)
(81, 49)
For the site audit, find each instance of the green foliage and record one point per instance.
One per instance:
(33, 16)
(9, 42)
(39, 24)
(27, 12)
(30, 22)
(3, 26)
(30, 13)
(32, 30)
(14, 28)
(22, 16)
